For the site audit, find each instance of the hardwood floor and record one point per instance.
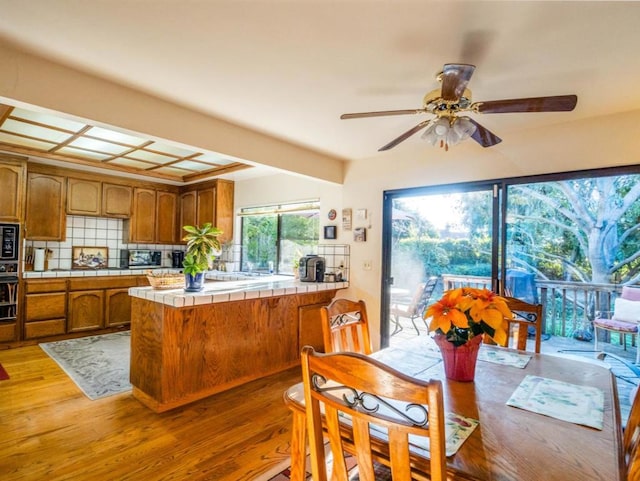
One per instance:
(50, 431)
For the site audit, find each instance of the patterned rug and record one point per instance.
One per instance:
(99, 365)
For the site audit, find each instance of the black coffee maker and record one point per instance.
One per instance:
(176, 259)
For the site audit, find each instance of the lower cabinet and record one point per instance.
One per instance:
(45, 312)
(310, 327)
(86, 310)
(117, 307)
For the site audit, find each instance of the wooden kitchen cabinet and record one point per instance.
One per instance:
(166, 217)
(12, 175)
(85, 310)
(45, 217)
(143, 219)
(116, 200)
(211, 203)
(45, 308)
(117, 307)
(310, 327)
(84, 197)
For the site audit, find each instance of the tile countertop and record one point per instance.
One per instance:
(217, 290)
(90, 272)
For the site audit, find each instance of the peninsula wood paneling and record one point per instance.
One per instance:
(180, 355)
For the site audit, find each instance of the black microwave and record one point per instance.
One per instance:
(131, 259)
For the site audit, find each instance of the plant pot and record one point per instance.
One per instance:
(194, 282)
(459, 361)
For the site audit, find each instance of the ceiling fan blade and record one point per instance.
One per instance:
(382, 113)
(559, 103)
(483, 136)
(455, 78)
(404, 136)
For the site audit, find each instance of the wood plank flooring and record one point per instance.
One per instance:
(50, 431)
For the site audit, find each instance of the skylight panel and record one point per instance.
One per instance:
(30, 130)
(24, 142)
(197, 166)
(98, 146)
(83, 154)
(59, 122)
(170, 149)
(150, 157)
(114, 136)
(171, 170)
(214, 159)
(134, 164)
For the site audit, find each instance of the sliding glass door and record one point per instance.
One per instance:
(438, 238)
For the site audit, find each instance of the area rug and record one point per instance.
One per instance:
(4, 375)
(99, 365)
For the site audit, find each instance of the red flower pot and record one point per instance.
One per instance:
(459, 361)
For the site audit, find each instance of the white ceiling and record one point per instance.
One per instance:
(290, 68)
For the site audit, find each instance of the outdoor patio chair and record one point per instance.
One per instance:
(345, 327)
(624, 319)
(415, 307)
(352, 393)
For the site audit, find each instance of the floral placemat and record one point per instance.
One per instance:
(457, 429)
(502, 356)
(561, 400)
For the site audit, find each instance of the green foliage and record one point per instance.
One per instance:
(202, 244)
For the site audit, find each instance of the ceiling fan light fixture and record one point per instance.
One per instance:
(464, 127)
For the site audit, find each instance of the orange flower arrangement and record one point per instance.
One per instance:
(464, 313)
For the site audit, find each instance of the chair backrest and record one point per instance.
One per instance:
(525, 316)
(423, 296)
(631, 440)
(352, 393)
(345, 327)
(630, 293)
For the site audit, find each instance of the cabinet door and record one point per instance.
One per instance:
(142, 228)
(166, 215)
(117, 307)
(85, 310)
(224, 209)
(12, 192)
(84, 197)
(206, 211)
(45, 215)
(310, 327)
(188, 207)
(116, 200)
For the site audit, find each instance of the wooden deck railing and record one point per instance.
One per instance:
(568, 306)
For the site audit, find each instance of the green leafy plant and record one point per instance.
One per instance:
(202, 244)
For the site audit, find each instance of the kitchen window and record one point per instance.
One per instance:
(274, 237)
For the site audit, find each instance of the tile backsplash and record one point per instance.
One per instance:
(96, 232)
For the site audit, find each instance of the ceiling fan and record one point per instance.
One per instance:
(447, 127)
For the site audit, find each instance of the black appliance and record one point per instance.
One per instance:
(132, 259)
(311, 268)
(9, 260)
(176, 259)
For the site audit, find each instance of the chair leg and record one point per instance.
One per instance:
(298, 447)
(595, 337)
(413, 321)
(396, 321)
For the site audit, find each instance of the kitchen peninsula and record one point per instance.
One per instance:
(187, 346)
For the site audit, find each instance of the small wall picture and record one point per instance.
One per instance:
(346, 219)
(330, 232)
(89, 257)
(360, 234)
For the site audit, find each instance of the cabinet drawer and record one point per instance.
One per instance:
(44, 328)
(40, 307)
(91, 283)
(34, 287)
(7, 332)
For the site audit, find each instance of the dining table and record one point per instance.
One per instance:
(534, 416)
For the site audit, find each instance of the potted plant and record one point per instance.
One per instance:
(460, 319)
(202, 245)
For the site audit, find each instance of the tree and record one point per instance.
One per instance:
(590, 227)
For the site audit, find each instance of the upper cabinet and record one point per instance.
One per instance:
(12, 175)
(95, 198)
(45, 217)
(154, 216)
(116, 200)
(84, 197)
(213, 203)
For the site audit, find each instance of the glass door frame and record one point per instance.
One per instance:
(387, 235)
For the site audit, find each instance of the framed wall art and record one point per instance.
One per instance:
(346, 219)
(360, 234)
(330, 232)
(85, 257)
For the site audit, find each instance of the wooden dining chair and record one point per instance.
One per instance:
(345, 326)
(525, 316)
(631, 440)
(349, 392)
